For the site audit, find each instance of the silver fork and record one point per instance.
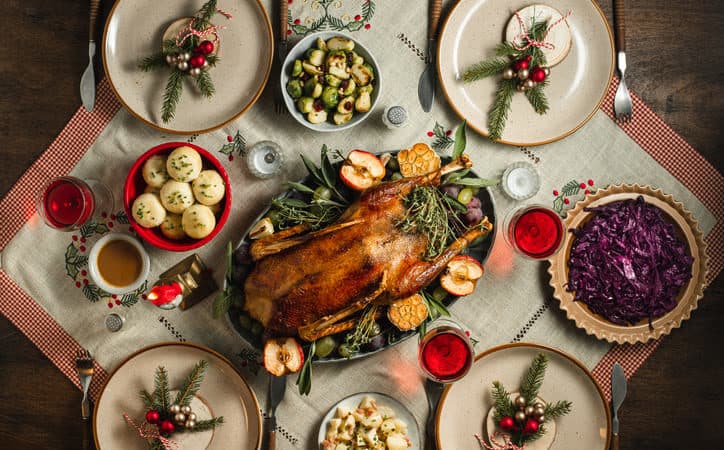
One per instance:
(84, 366)
(622, 106)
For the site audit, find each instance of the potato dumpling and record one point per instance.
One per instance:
(208, 187)
(198, 221)
(154, 171)
(184, 164)
(176, 196)
(148, 211)
(171, 227)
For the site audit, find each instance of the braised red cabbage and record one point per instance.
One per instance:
(627, 262)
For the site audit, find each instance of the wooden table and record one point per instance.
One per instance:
(675, 55)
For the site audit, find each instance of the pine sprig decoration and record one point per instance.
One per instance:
(153, 62)
(485, 69)
(205, 14)
(147, 398)
(558, 409)
(501, 107)
(205, 85)
(192, 383)
(503, 405)
(210, 424)
(537, 98)
(533, 378)
(172, 95)
(161, 394)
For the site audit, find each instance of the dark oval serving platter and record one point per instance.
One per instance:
(254, 335)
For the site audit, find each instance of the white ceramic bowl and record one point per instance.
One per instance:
(297, 52)
(93, 264)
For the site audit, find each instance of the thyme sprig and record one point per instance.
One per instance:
(364, 331)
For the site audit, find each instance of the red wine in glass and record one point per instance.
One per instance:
(445, 353)
(535, 231)
(66, 203)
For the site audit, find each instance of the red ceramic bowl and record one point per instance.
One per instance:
(135, 185)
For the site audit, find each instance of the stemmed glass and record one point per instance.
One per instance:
(445, 352)
(534, 231)
(66, 203)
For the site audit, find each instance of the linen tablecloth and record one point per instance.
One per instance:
(47, 294)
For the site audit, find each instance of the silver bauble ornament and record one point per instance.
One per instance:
(174, 409)
(529, 84)
(520, 416)
(508, 73)
(191, 416)
(171, 59)
(190, 424)
(206, 64)
(179, 418)
(523, 74)
(529, 410)
(539, 411)
(186, 409)
(520, 402)
(183, 66)
(184, 56)
(541, 419)
(195, 71)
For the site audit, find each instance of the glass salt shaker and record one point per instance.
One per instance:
(265, 159)
(394, 117)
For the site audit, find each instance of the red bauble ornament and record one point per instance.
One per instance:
(197, 61)
(537, 74)
(521, 64)
(206, 47)
(506, 423)
(167, 427)
(531, 426)
(153, 416)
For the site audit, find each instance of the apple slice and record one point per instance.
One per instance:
(283, 356)
(361, 170)
(461, 275)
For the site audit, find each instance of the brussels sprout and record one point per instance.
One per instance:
(313, 88)
(337, 59)
(316, 57)
(340, 43)
(311, 69)
(339, 73)
(331, 80)
(305, 104)
(349, 90)
(317, 116)
(297, 69)
(346, 105)
(357, 59)
(330, 97)
(339, 119)
(294, 88)
(363, 103)
(368, 89)
(362, 74)
(321, 44)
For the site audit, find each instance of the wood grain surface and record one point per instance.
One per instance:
(676, 65)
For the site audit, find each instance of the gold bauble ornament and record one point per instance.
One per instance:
(529, 410)
(186, 409)
(174, 409)
(520, 416)
(539, 411)
(523, 74)
(508, 73)
(519, 402)
(190, 424)
(179, 418)
(191, 416)
(541, 419)
(182, 66)
(529, 84)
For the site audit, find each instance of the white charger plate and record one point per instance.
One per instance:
(353, 401)
(464, 405)
(134, 30)
(223, 390)
(577, 85)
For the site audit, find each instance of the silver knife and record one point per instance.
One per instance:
(618, 393)
(277, 387)
(88, 80)
(426, 85)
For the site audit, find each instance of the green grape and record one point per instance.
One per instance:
(344, 351)
(325, 346)
(322, 193)
(465, 196)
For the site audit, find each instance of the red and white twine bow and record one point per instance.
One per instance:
(211, 30)
(148, 431)
(506, 444)
(524, 35)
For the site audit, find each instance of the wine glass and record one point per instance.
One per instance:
(445, 352)
(66, 203)
(534, 231)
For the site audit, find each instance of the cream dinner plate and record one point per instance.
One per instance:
(465, 404)
(134, 30)
(577, 85)
(223, 393)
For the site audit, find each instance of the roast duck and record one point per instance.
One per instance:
(305, 283)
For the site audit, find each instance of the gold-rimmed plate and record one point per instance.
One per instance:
(224, 392)
(688, 230)
(576, 86)
(134, 30)
(465, 404)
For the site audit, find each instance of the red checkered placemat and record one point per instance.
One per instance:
(647, 129)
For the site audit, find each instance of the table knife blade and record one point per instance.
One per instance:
(88, 80)
(618, 393)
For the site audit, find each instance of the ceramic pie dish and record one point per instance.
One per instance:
(688, 230)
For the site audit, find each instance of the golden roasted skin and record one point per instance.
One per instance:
(298, 280)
